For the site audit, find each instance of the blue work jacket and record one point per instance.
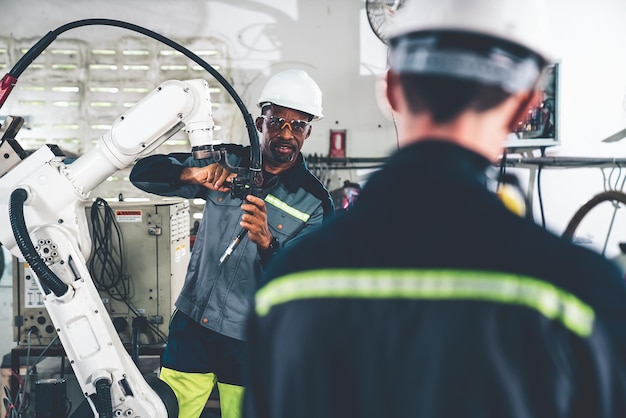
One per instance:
(216, 295)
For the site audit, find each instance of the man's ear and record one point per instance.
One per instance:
(259, 123)
(392, 81)
(527, 101)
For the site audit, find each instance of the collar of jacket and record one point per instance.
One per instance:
(442, 153)
(294, 176)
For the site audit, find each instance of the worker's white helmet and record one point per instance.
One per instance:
(294, 89)
(514, 23)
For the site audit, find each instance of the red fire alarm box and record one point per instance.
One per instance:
(337, 143)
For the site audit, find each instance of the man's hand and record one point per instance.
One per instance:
(213, 176)
(254, 220)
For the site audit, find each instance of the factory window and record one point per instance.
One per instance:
(73, 92)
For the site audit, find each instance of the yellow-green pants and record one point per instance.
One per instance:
(193, 390)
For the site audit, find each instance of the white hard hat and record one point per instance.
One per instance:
(503, 42)
(523, 22)
(294, 89)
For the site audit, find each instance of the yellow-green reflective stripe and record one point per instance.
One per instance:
(549, 300)
(273, 200)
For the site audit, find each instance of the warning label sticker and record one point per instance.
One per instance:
(128, 215)
(33, 297)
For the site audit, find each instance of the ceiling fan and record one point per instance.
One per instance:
(379, 15)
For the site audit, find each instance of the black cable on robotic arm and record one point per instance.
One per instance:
(43, 43)
(18, 225)
(103, 395)
(255, 165)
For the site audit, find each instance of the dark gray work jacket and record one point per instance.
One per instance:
(431, 299)
(218, 296)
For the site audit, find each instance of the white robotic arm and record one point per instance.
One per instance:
(163, 112)
(42, 220)
(170, 107)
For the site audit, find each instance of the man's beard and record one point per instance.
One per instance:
(282, 157)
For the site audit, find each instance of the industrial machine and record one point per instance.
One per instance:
(48, 228)
(43, 222)
(147, 259)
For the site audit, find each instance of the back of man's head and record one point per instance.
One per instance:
(454, 55)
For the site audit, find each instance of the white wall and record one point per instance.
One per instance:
(321, 37)
(331, 40)
(589, 40)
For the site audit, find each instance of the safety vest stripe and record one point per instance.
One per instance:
(550, 301)
(273, 200)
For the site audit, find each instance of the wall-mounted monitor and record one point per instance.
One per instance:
(541, 126)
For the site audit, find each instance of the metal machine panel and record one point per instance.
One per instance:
(155, 253)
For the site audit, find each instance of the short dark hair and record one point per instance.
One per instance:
(445, 97)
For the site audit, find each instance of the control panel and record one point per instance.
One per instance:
(150, 253)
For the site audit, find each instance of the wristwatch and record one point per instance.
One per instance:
(269, 252)
(274, 245)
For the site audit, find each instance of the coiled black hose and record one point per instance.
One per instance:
(105, 404)
(49, 280)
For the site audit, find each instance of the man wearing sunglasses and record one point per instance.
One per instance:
(206, 335)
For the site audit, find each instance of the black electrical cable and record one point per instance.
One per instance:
(540, 197)
(21, 399)
(255, 166)
(139, 325)
(62, 371)
(539, 192)
(153, 327)
(103, 394)
(1, 262)
(42, 44)
(502, 168)
(48, 279)
(134, 343)
(106, 264)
